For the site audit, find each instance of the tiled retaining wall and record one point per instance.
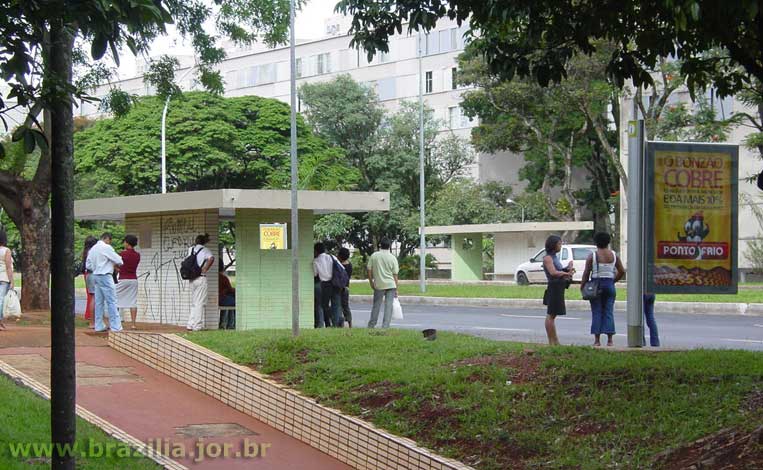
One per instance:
(353, 441)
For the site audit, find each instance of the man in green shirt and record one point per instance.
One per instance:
(382, 274)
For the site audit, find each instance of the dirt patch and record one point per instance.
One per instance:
(754, 402)
(377, 395)
(586, 427)
(725, 450)
(523, 367)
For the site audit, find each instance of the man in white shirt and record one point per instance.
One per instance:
(101, 261)
(205, 259)
(323, 269)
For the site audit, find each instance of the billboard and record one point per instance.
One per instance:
(272, 236)
(691, 217)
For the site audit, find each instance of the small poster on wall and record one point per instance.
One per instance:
(691, 215)
(273, 237)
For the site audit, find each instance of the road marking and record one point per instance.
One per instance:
(538, 317)
(524, 330)
(759, 326)
(742, 340)
(406, 324)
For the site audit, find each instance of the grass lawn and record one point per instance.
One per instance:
(79, 281)
(25, 418)
(498, 405)
(536, 292)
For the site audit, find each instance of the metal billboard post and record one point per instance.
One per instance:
(636, 253)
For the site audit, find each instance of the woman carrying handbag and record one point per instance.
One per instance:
(602, 270)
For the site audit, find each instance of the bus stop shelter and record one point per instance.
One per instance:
(514, 244)
(167, 224)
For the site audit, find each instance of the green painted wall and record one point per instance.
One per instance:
(263, 278)
(467, 257)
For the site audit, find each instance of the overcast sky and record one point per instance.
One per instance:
(309, 25)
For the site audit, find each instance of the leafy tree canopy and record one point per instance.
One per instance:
(212, 142)
(537, 38)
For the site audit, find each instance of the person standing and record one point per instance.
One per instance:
(603, 265)
(226, 297)
(382, 274)
(559, 279)
(344, 258)
(90, 242)
(127, 288)
(654, 337)
(199, 286)
(6, 272)
(101, 261)
(323, 268)
(317, 308)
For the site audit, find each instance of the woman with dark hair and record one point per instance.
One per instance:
(559, 279)
(90, 242)
(604, 266)
(127, 288)
(6, 273)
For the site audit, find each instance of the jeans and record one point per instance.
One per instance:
(227, 317)
(654, 337)
(4, 288)
(331, 298)
(346, 312)
(388, 296)
(603, 309)
(198, 303)
(106, 302)
(317, 309)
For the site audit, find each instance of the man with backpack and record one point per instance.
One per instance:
(194, 269)
(332, 278)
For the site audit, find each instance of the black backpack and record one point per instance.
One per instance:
(189, 268)
(339, 277)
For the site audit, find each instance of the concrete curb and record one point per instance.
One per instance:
(694, 308)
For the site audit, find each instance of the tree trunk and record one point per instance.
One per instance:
(34, 228)
(63, 374)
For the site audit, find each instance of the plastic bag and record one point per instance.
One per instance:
(397, 310)
(11, 305)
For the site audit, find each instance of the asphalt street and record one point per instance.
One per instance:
(676, 330)
(508, 324)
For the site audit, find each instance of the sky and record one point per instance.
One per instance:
(309, 24)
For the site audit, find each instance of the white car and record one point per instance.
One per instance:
(531, 272)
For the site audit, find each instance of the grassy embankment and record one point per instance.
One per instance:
(536, 292)
(498, 405)
(25, 419)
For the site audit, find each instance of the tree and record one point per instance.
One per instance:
(385, 150)
(538, 38)
(559, 129)
(212, 142)
(38, 43)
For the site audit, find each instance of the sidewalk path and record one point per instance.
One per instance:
(151, 406)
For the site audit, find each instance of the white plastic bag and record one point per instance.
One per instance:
(397, 310)
(11, 305)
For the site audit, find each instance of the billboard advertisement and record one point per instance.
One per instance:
(691, 217)
(272, 236)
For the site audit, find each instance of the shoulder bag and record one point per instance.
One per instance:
(591, 289)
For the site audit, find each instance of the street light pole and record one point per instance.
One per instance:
(294, 180)
(522, 207)
(164, 134)
(422, 223)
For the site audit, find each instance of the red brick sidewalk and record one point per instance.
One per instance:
(152, 406)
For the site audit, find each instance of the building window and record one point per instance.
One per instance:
(323, 64)
(453, 78)
(298, 67)
(432, 45)
(457, 119)
(428, 82)
(383, 57)
(386, 89)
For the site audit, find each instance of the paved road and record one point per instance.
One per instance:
(676, 330)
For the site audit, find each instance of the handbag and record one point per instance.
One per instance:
(397, 310)
(591, 290)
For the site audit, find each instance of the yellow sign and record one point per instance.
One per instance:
(693, 210)
(273, 236)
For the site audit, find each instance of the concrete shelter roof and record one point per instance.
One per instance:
(511, 227)
(228, 200)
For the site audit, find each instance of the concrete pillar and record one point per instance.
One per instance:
(467, 257)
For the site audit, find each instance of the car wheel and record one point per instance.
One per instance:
(522, 279)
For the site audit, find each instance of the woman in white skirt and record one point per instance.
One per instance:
(127, 288)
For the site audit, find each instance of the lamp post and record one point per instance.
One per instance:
(422, 223)
(164, 133)
(512, 201)
(294, 180)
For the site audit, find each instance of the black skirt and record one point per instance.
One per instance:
(554, 297)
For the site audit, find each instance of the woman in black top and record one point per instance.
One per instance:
(344, 257)
(558, 278)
